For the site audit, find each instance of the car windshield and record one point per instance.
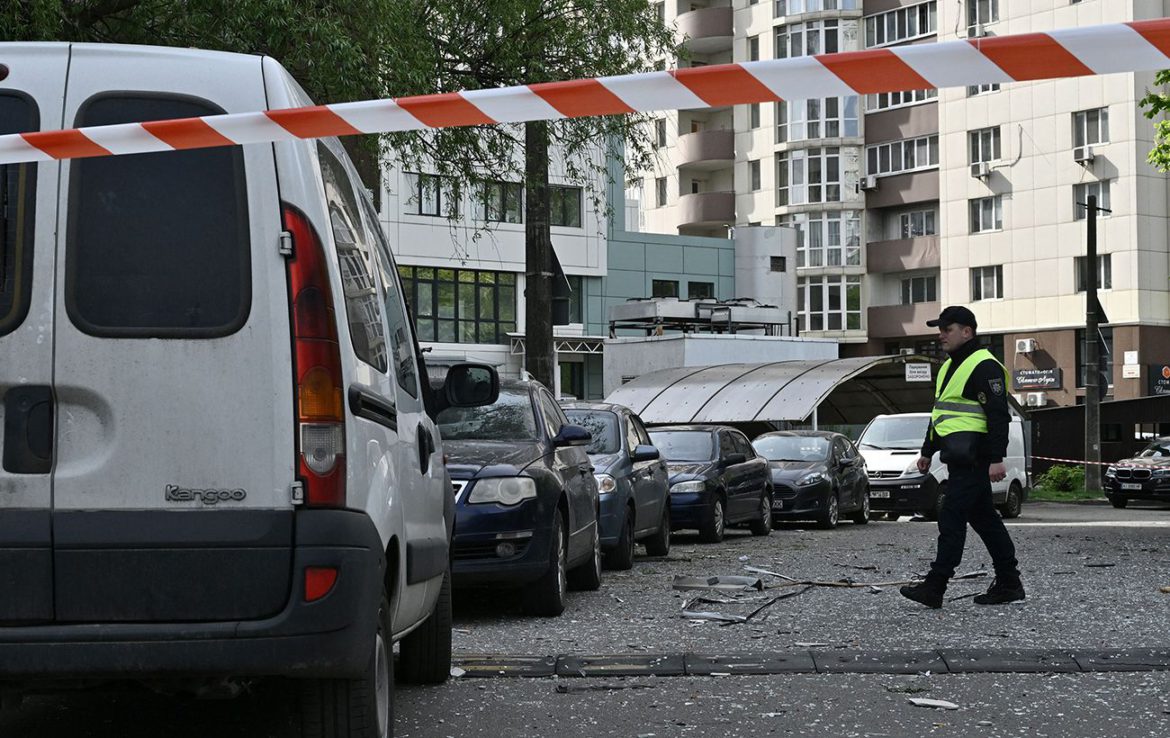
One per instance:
(511, 418)
(603, 424)
(792, 448)
(1158, 449)
(892, 432)
(684, 445)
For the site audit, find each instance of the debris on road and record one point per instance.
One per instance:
(935, 704)
(720, 584)
(849, 583)
(609, 687)
(1165, 590)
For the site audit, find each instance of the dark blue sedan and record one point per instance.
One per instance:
(631, 479)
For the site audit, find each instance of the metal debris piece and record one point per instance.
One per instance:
(716, 616)
(810, 644)
(612, 687)
(721, 584)
(1100, 566)
(457, 672)
(936, 704)
(1164, 590)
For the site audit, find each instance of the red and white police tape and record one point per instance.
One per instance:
(1070, 52)
(1097, 463)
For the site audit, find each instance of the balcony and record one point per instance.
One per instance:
(707, 209)
(902, 254)
(707, 150)
(899, 321)
(707, 30)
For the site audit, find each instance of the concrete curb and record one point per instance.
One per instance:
(938, 661)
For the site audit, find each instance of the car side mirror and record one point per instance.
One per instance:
(733, 459)
(471, 385)
(844, 463)
(572, 435)
(645, 452)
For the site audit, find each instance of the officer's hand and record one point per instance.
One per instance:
(923, 464)
(997, 472)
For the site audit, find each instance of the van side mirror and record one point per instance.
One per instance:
(645, 452)
(572, 435)
(471, 385)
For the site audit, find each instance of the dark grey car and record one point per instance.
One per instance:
(631, 478)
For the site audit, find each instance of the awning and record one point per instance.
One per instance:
(847, 391)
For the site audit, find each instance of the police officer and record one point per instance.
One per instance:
(969, 428)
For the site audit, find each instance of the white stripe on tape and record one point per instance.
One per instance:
(512, 105)
(376, 115)
(653, 91)
(952, 65)
(1111, 48)
(799, 79)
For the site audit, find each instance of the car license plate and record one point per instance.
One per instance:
(1131, 485)
(879, 494)
(778, 505)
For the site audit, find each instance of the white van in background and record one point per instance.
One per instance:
(890, 445)
(220, 460)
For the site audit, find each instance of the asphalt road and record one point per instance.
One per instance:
(1093, 576)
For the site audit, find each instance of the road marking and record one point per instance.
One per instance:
(1099, 524)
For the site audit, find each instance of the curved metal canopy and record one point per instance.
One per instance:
(846, 391)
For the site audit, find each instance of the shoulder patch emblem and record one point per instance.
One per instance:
(996, 386)
(982, 398)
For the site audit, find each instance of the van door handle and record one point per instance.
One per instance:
(426, 447)
(28, 430)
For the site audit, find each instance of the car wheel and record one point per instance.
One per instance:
(424, 656)
(713, 529)
(1118, 502)
(587, 576)
(832, 514)
(659, 543)
(762, 525)
(547, 596)
(353, 708)
(939, 500)
(861, 517)
(622, 557)
(1014, 502)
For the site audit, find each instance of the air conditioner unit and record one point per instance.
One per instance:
(906, 351)
(981, 170)
(1025, 345)
(869, 182)
(1036, 399)
(1083, 154)
(1019, 398)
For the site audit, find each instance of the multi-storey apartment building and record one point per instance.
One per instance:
(910, 201)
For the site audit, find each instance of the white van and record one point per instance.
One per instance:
(891, 445)
(218, 458)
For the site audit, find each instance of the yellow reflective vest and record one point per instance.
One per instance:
(954, 413)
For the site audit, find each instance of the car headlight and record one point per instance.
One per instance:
(502, 490)
(692, 486)
(911, 470)
(1111, 471)
(811, 478)
(1162, 472)
(605, 483)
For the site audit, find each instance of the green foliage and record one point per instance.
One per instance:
(1156, 104)
(1062, 478)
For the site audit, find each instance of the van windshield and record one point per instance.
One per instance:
(895, 433)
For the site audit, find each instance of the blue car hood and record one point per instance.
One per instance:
(467, 459)
(681, 471)
(602, 463)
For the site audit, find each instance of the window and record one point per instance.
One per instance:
(983, 145)
(831, 117)
(808, 39)
(143, 266)
(979, 13)
(576, 304)
(986, 214)
(461, 305)
(917, 223)
(1104, 272)
(827, 239)
(660, 191)
(973, 90)
(902, 24)
(986, 283)
(432, 194)
(754, 174)
(778, 263)
(501, 202)
(355, 256)
(754, 48)
(18, 114)
(808, 175)
(1104, 352)
(908, 155)
(829, 303)
(660, 132)
(1091, 127)
(664, 288)
(564, 206)
(700, 290)
(403, 351)
(794, 7)
(1081, 194)
(754, 115)
(919, 289)
(886, 100)
(660, 12)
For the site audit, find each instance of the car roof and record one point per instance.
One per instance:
(693, 427)
(586, 405)
(799, 434)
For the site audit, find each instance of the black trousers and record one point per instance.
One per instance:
(968, 500)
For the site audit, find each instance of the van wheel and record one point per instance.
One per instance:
(716, 523)
(547, 596)
(622, 556)
(659, 543)
(424, 656)
(353, 708)
(1014, 502)
(587, 576)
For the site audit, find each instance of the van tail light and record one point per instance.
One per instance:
(320, 404)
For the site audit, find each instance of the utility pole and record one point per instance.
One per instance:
(1092, 357)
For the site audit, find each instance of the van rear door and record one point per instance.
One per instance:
(172, 373)
(30, 100)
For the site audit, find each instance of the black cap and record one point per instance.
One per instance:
(954, 314)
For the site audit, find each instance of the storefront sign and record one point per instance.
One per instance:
(1159, 379)
(1131, 371)
(1038, 379)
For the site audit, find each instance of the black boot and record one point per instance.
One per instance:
(1004, 588)
(929, 592)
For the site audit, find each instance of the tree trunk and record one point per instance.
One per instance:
(538, 338)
